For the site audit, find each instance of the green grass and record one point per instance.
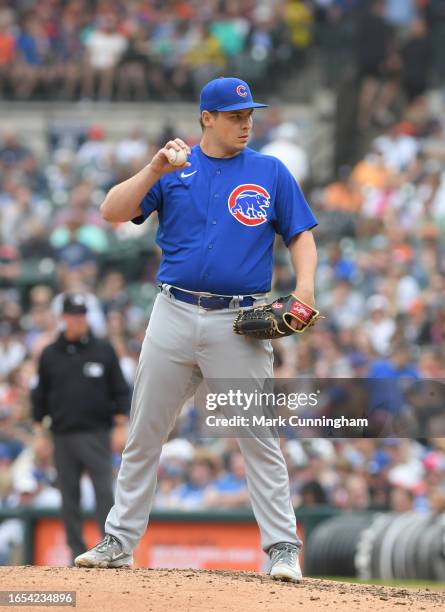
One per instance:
(415, 584)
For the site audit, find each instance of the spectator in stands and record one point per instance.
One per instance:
(81, 202)
(379, 327)
(298, 17)
(437, 501)
(42, 323)
(33, 474)
(401, 500)
(205, 57)
(202, 475)
(10, 266)
(372, 172)
(230, 28)
(105, 47)
(31, 174)
(398, 147)
(343, 194)
(12, 151)
(378, 66)
(345, 303)
(352, 493)
(12, 350)
(170, 478)
(416, 56)
(176, 456)
(113, 292)
(14, 409)
(262, 44)
(312, 494)
(285, 145)
(230, 489)
(74, 253)
(94, 156)
(19, 214)
(80, 223)
(134, 66)
(61, 175)
(35, 247)
(132, 150)
(68, 58)
(33, 48)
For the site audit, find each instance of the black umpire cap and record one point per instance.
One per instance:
(74, 303)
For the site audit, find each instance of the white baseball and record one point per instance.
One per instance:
(177, 158)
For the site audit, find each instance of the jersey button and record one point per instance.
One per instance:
(216, 195)
(210, 246)
(214, 221)
(218, 171)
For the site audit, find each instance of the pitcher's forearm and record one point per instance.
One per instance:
(304, 261)
(123, 200)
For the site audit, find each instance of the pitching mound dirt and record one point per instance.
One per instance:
(183, 590)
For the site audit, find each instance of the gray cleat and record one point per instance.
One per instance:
(284, 562)
(107, 553)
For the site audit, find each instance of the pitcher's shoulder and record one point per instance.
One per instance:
(257, 155)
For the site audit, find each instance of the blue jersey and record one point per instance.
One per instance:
(218, 219)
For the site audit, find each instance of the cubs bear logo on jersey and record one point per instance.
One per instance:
(248, 204)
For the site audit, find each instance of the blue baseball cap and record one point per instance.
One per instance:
(227, 94)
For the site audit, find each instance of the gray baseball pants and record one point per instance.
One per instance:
(184, 343)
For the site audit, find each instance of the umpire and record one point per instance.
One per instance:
(81, 387)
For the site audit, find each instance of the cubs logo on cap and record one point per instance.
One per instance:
(226, 94)
(249, 203)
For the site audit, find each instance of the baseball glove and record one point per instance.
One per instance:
(274, 320)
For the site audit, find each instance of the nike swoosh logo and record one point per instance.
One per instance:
(117, 556)
(184, 175)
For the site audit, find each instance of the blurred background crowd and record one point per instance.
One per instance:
(139, 49)
(381, 274)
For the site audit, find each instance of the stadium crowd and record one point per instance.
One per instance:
(139, 49)
(380, 282)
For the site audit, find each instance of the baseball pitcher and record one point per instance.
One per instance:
(220, 206)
